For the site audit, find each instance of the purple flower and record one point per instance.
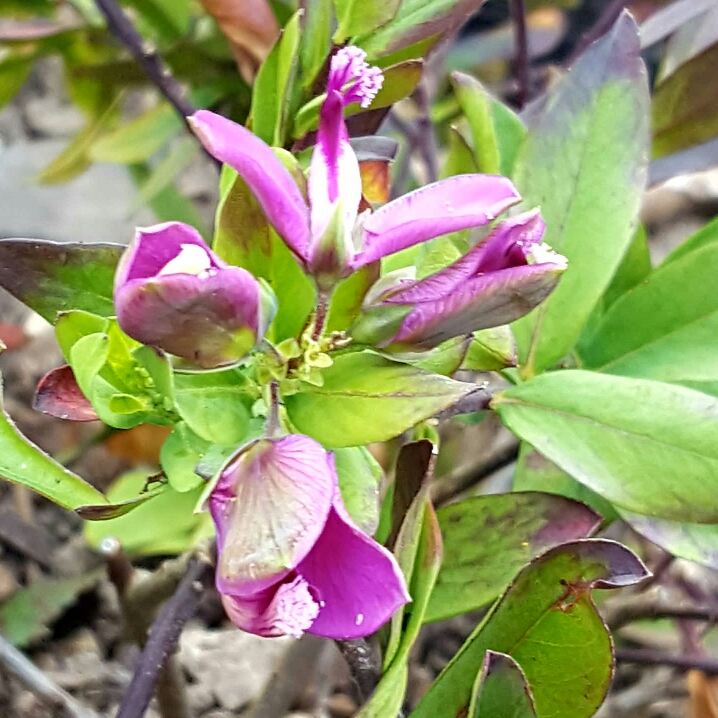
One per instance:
(173, 292)
(328, 236)
(496, 282)
(290, 558)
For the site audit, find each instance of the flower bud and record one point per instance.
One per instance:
(495, 283)
(173, 292)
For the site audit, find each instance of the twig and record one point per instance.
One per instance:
(600, 28)
(164, 635)
(653, 604)
(40, 684)
(427, 139)
(518, 15)
(139, 597)
(478, 400)
(465, 477)
(364, 665)
(290, 679)
(148, 59)
(647, 657)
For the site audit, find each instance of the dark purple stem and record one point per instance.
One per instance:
(273, 425)
(364, 665)
(163, 637)
(602, 26)
(518, 15)
(646, 657)
(147, 58)
(321, 314)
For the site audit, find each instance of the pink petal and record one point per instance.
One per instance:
(59, 395)
(357, 582)
(447, 206)
(269, 507)
(273, 186)
(154, 247)
(288, 609)
(507, 246)
(334, 173)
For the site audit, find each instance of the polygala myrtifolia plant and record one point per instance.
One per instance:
(322, 319)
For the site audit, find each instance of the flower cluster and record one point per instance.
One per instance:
(290, 557)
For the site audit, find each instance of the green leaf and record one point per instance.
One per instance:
(487, 539)
(536, 473)
(491, 350)
(501, 690)
(274, 86)
(703, 237)
(360, 17)
(664, 328)
(446, 358)
(14, 70)
(684, 108)
(426, 562)
(244, 238)
(24, 463)
(417, 20)
(410, 504)
(367, 398)
(360, 477)
(77, 155)
(388, 697)
(399, 82)
(136, 140)
(547, 623)
(348, 296)
(165, 524)
(620, 438)
(584, 164)
(476, 105)
(315, 39)
(50, 277)
(26, 617)
(634, 268)
(460, 159)
(180, 453)
(215, 404)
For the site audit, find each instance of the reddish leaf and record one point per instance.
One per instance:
(251, 28)
(375, 181)
(59, 395)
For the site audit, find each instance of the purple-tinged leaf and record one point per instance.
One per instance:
(685, 105)
(584, 163)
(547, 622)
(487, 539)
(694, 542)
(105, 512)
(59, 395)
(501, 689)
(50, 277)
(418, 20)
